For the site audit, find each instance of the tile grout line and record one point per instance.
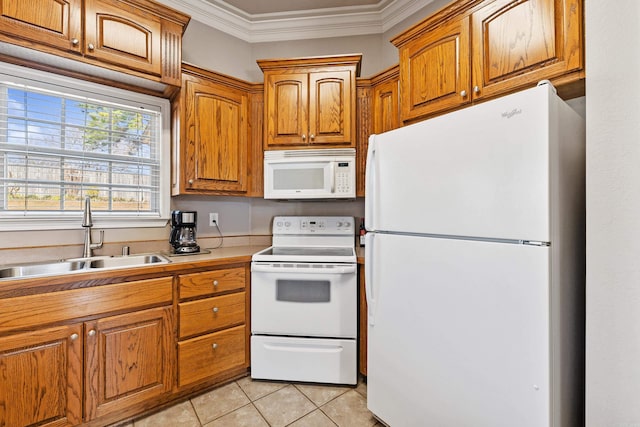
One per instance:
(251, 402)
(195, 412)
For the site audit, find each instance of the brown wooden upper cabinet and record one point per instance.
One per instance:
(310, 101)
(472, 50)
(211, 152)
(137, 37)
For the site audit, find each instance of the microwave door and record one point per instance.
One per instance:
(284, 180)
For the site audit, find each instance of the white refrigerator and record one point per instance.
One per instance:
(475, 267)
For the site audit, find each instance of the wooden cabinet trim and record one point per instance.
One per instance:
(312, 63)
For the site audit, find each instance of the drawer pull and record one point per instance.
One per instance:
(215, 345)
(215, 309)
(215, 283)
(92, 332)
(73, 337)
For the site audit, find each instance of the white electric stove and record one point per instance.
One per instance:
(304, 302)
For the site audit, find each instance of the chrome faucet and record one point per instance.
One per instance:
(87, 223)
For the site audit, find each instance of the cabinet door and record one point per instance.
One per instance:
(41, 377)
(435, 70)
(286, 109)
(331, 106)
(386, 115)
(216, 133)
(129, 360)
(519, 42)
(123, 35)
(56, 23)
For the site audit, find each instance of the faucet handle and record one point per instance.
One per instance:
(99, 244)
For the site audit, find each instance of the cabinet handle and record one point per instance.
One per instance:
(304, 137)
(190, 182)
(476, 89)
(91, 46)
(463, 93)
(75, 41)
(312, 137)
(215, 309)
(215, 283)
(73, 337)
(92, 332)
(214, 346)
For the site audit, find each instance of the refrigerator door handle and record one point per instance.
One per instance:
(369, 277)
(370, 184)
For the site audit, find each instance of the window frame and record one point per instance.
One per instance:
(71, 220)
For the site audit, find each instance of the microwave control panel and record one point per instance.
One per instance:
(344, 181)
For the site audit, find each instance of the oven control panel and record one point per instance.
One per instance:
(342, 225)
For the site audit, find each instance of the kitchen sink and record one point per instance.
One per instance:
(79, 264)
(40, 269)
(126, 261)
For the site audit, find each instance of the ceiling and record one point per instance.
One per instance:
(276, 20)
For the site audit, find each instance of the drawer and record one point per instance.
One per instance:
(205, 357)
(211, 282)
(206, 315)
(36, 310)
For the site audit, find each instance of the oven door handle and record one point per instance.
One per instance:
(334, 269)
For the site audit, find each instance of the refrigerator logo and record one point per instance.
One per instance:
(509, 114)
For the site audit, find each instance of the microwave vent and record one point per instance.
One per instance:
(325, 152)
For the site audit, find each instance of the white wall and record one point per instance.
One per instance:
(613, 213)
(214, 50)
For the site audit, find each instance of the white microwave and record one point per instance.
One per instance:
(310, 174)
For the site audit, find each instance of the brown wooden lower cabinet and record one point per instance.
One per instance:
(97, 355)
(41, 377)
(213, 332)
(129, 360)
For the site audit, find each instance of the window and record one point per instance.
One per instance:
(62, 140)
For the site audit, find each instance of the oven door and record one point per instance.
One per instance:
(304, 299)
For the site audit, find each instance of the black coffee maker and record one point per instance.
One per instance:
(183, 232)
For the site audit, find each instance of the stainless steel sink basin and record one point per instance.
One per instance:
(79, 264)
(38, 269)
(126, 261)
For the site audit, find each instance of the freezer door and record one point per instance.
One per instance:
(483, 171)
(458, 333)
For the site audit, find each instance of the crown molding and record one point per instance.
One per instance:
(296, 25)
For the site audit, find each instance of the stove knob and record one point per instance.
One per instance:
(279, 224)
(347, 224)
(339, 224)
(287, 224)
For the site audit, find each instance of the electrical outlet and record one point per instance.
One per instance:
(213, 219)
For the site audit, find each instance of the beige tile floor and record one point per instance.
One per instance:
(250, 403)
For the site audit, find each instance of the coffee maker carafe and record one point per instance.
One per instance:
(183, 232)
